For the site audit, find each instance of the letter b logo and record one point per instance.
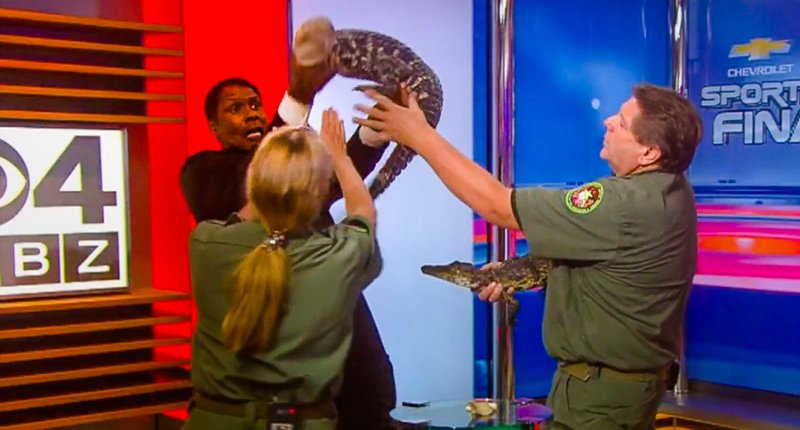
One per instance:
(29, 259)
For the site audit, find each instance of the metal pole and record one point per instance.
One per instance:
(678, 32)
(503, 163)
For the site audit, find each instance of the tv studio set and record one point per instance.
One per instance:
(390, 215)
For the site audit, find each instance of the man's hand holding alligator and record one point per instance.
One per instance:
(404, 125)
(494, 290)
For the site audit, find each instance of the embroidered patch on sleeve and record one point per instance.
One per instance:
(585, 198)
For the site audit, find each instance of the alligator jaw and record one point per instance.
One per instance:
(458, 273)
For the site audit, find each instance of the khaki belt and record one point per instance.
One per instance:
(585, 371)
(308, 411)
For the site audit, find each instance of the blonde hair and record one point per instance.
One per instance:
(287, 181)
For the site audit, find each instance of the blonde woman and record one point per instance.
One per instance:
(275, 298)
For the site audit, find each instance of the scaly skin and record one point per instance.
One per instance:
(388, 62)
(514, 274)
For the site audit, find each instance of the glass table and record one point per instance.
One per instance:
(517, 414)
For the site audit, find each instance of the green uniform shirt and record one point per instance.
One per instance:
(329, 269)
(626, 252)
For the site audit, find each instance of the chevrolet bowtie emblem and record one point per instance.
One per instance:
(760, 49)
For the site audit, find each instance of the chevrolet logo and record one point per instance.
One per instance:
(760, 49)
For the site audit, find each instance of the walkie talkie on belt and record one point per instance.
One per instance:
(282, 416)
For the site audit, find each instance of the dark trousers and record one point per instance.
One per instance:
(598, 401)
(368, 390)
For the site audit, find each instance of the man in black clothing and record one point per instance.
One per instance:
(212, 183)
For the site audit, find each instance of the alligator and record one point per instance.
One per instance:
(384, 60)
(514, 274)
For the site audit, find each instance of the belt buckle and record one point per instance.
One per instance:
(592, 371)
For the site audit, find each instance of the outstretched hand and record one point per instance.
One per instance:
(306, 81)
(312, 63)
(332, 133)
(404, 125)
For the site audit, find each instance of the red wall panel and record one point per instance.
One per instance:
(166, 150)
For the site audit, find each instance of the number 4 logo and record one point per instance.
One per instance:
(83, 151)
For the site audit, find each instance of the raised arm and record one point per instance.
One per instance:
(467, 180)
(356, 196)
(305, 81)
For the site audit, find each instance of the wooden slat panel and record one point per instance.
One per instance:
(41, 66)
(85, 117)
(90, 372)
(62, 399)
(137, 296)
(102, 403)
(86, 46)
(97, 417)
(90, 94)
(51, 18)
(30, 332)
(89, 350)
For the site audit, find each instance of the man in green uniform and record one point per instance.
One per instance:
(625, 249)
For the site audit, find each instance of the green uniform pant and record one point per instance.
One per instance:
(200, 419)
(599, 401)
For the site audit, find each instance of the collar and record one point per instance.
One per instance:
(234, 218)
(653, 168)
(235, 150)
